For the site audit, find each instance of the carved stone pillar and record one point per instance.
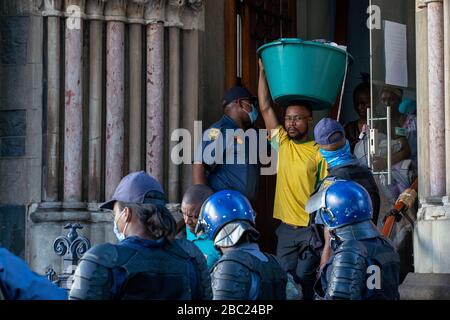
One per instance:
(192, 38)
(94, 10)
(52, 10)
(136, 9)
(115, 15)
(154, 17)
(173, 22)
(423, 127)
(431, 241)
(447, 92)
(73, 117)
(436, 96)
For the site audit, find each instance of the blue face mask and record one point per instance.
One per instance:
(338, 157)
(253, 115)
(120, 236)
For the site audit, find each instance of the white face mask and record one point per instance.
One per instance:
(120, 236)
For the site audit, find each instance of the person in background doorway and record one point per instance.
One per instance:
(404, 144)
(361, 101)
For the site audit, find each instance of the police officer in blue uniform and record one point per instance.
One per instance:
(147, 263)
(18, 282)
(365, 265)
(243, 272)
(212, 169)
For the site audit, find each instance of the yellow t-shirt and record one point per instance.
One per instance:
(300, 168)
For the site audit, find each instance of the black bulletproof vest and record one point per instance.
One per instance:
(155, 274)
(273, 277)
(382, 254)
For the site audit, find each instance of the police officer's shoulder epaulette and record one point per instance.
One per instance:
(107, 254)
(213, 133)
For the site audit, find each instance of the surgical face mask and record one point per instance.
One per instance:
(253, 115)
(120, 236)
(337, 157)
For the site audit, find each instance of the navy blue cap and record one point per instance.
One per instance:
(325, 129)
(134, 188)
(237, 93)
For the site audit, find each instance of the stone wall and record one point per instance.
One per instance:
(21, 87)
(33, 214)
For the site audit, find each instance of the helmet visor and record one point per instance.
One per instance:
(317, 201)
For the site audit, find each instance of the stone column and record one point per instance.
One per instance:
(73, 117)
(115, 15)
(94, 12)
(136, 19)
(174, 11)
(192, 76)
(447, 91)
(422, 101)
(52, 10)
(155, 16)
(436, 96)
(431, 277)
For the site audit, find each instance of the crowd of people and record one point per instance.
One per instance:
(326, 199)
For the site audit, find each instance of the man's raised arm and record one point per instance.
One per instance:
(265, 102)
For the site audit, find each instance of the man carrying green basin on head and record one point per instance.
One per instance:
(300, 168)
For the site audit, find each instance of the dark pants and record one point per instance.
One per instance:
(299, 250)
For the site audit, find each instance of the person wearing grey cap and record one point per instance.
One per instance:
(147, 263)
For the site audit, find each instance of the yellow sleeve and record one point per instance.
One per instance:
(277, 137)
(322, 168)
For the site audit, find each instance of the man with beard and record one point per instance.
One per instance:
(300, 168)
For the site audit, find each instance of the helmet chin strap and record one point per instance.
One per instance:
(335, 240)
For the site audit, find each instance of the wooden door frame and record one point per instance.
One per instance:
(230, 43)
(340, 37)
(249, 70)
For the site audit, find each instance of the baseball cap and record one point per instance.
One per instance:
(237, 93)
(407, 106)
(324, 132)
(137, 187)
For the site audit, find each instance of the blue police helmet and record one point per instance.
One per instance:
(341, 203)
(222, 208)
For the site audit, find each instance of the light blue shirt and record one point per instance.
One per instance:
(205, 246)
